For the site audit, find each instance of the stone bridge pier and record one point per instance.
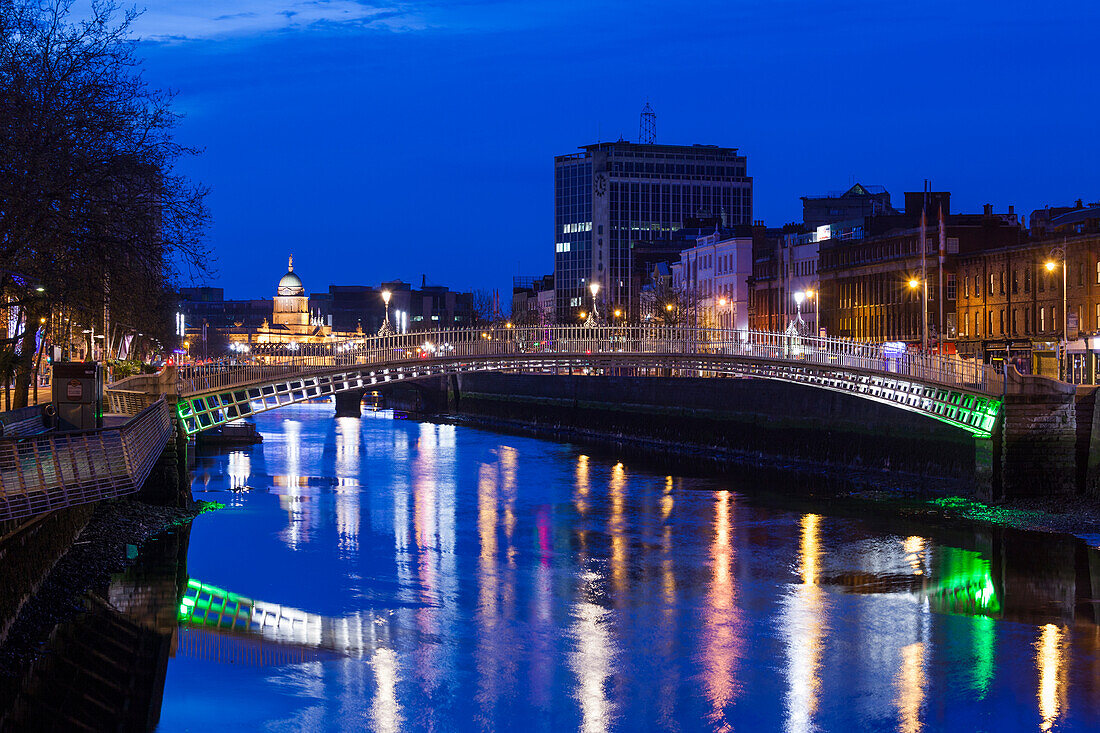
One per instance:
(1038, 438)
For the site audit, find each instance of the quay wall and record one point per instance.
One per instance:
(748, 420)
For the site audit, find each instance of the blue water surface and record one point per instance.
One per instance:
(451, 578)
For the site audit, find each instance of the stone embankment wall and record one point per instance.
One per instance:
(750, 418)
(1039, 446)
(28, 552)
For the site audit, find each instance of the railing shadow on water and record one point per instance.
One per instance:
(272, 361)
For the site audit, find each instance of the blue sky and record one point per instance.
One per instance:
(393, 140)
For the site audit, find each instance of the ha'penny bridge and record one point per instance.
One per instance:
(41, 470)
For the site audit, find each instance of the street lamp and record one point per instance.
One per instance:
(914, 283)
(386, 330)
(595, 288)
(1060, 252)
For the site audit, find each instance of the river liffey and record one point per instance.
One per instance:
(434, 577)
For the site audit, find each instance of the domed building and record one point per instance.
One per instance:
(291, 301)
(291, 321)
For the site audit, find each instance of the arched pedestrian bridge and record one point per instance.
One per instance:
(956, 391)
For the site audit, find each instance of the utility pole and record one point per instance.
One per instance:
(942, 324)
(924, 272)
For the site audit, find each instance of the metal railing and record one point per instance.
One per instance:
(55, 470)
(271, 361)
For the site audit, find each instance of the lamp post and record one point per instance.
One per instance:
(1063, 361)
(594, 287)
(913, 285)
(386, 330)
(798, 324)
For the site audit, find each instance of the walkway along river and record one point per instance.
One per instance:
(451, 577)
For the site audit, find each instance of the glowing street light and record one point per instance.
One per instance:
(386, 330)
(594, 287)
(1056, 254)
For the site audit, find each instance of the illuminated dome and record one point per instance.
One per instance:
(291, 284)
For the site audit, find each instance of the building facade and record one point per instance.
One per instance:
(857, 202)
(1030, 307)
(612, 195)
(712, 277)
(872, 286)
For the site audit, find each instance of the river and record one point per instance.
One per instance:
(442, 577)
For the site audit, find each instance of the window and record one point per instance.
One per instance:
(1098, 316)
(1015, 325)
(1098, 272)
(966, 287)
(1002, 288)
(977, 325)
(952, 287)
(989, 323)
(977, 286)
(1015, 282)
(992, 283)
(1081, 274)
(1027, 277)
(1042, 319)
(1027, 321)
(1002, 321)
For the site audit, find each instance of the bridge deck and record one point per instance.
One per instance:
(962, 393)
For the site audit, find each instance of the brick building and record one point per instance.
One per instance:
(1012, 306)
(870, 270)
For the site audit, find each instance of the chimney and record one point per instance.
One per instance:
(1011, 210)
(989, 209)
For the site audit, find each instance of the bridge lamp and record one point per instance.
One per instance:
(508, 324)
(1051, 264)
(618, 313)
(583, 315)
(668, 307)
(914, 283)
(721, 301)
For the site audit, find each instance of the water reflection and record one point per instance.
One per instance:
(531, 585)
(104, 670)
(1051, 663)
(721, 620)
(592, 657)
(804, 628)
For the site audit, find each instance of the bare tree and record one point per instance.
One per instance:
(92, 211)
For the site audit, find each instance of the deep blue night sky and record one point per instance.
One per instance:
(378, 142)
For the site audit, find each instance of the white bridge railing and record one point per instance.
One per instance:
(272, 361)
(47, 471)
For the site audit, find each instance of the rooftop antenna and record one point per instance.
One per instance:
(647, 125)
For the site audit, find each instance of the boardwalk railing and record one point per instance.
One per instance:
(271, 361)
(40, 473)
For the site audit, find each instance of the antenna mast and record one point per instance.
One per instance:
(647, 125)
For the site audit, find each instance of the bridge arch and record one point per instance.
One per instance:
(963, 394)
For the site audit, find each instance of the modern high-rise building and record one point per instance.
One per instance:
(612, 195)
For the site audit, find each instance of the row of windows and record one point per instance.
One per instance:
(888, 290)
(999, 283)
(1043, 320)
(854, 254)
